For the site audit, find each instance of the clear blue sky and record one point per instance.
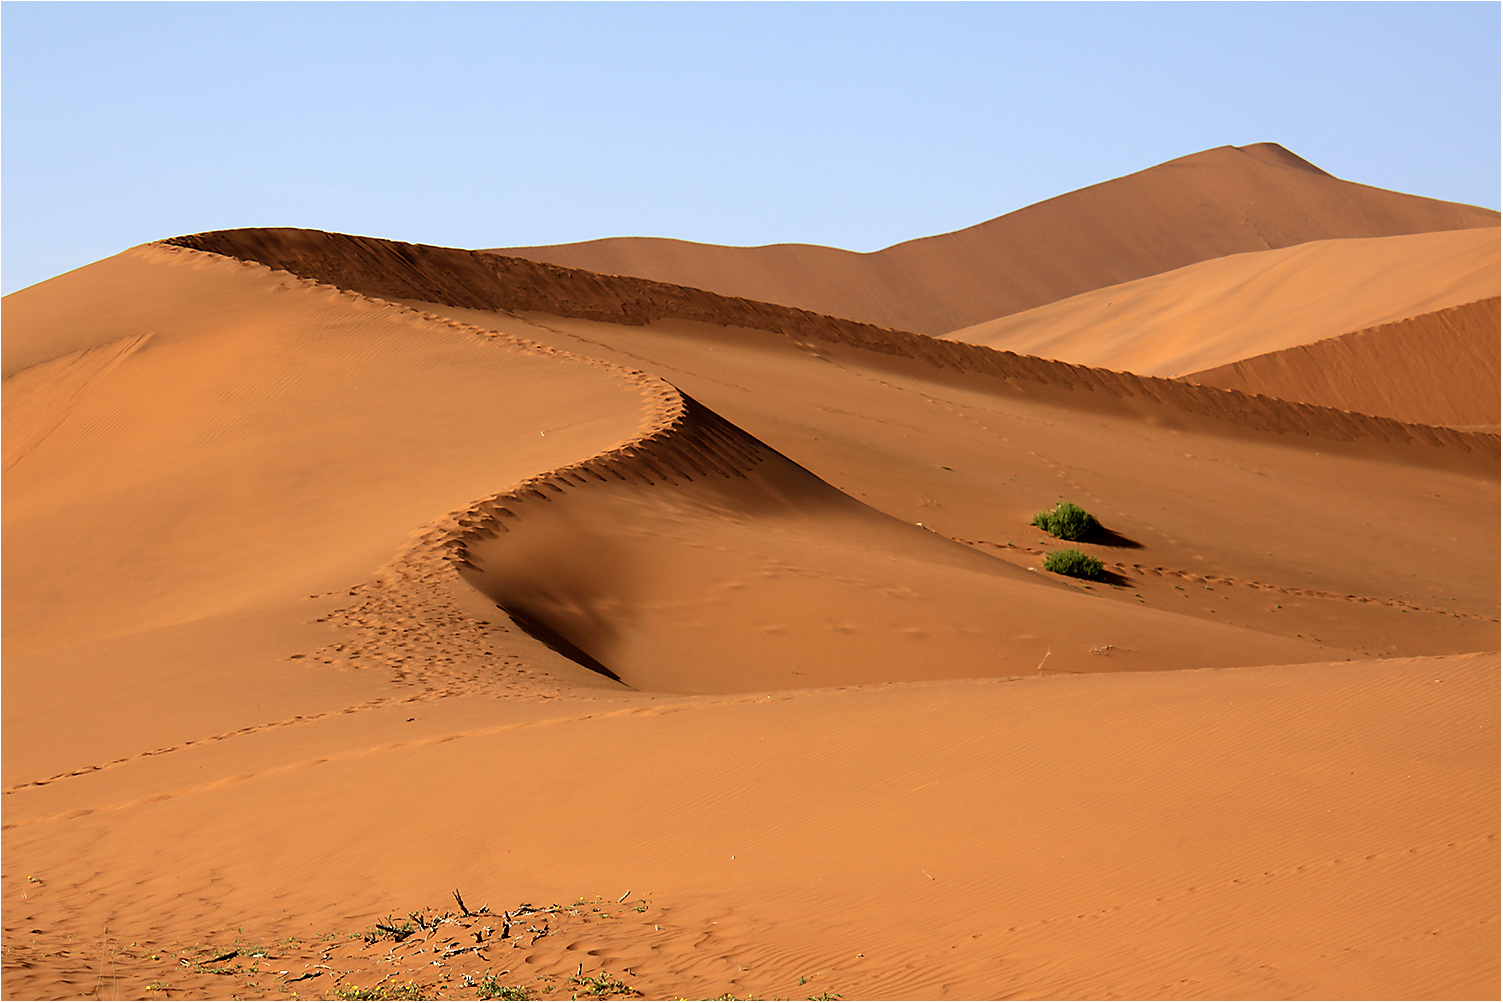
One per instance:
(850, 124)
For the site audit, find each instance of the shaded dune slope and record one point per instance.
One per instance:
(1216, 312)
(482, 281)
(1227, 200)
(1448, 372)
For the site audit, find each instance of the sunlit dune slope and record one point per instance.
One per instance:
(1310, 831)
(195, 446)
(1227, 200)
(1440, 368)
(1217, 312)
(204, 434)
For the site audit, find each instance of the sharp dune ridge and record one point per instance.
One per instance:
(484, 281)
(1450, 377)
(1215, 312)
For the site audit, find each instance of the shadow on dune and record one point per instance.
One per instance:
(540, 631)
(1114, 579)
(1104, 537)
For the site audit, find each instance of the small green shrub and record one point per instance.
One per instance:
(1068, 521)
(1073, 563)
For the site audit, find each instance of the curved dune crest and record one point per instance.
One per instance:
(284, 443)
(1441, 368)
(490, 282)
(593, 552)
(699, 560)
(1226, 200)
(1216, 312)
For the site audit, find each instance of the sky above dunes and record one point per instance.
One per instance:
(854, 125)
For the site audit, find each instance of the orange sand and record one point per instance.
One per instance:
(797, 709)
(1217, 312)
(1229, 200)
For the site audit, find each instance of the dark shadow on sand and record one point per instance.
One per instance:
(540, 631)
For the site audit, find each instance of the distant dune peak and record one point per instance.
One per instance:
(1218, 202)
(1273, 153)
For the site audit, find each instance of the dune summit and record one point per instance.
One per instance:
(1229, 200)
(622, 632)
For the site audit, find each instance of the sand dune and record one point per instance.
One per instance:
(266, 490)
(1228, 200)
(1217, 312)
(489, 283)
(1449, 374)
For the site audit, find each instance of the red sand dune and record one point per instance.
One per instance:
(1448, 376)
(259, 694)
(1216, 312)
(1228, 200)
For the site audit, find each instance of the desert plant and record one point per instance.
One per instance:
(490, 988)
(1067, 521)
(410, 991)
(603, 984)
(389, 928)
(1072, 563)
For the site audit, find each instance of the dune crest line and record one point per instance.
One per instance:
(678, 440)
(486, 281)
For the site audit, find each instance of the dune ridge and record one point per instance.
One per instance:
(1221, 201)
(571, 578)
(1450, 374)
(1217, 312)
(484, 281)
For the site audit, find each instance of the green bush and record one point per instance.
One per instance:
(1068, 521)
(1072, 563)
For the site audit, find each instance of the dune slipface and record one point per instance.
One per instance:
(1449, 376)
(626, 634)
(701, 561)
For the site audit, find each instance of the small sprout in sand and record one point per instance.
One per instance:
(1073, 564)
(1067, 521)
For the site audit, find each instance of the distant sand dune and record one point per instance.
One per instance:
(1227, 200)
(1440, 369)
(481, 281)
(1216, 312)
